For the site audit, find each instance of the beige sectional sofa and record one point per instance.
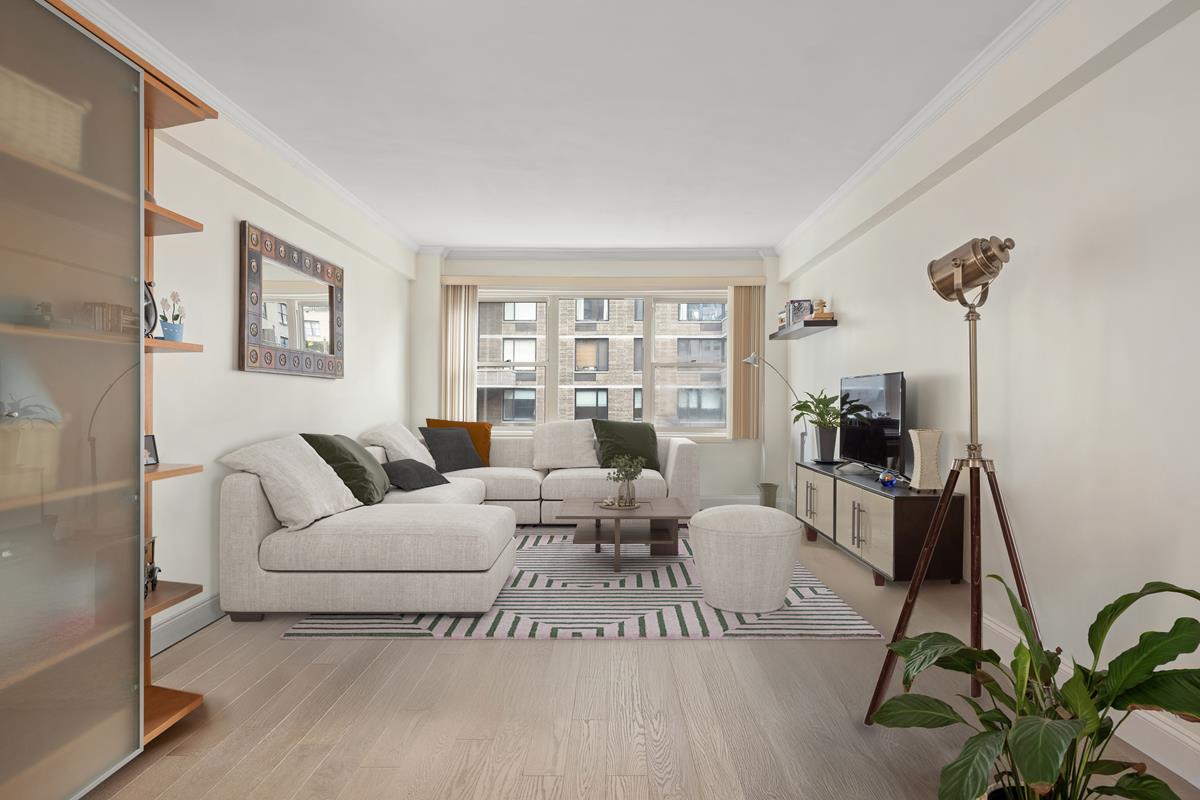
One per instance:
(447, 548)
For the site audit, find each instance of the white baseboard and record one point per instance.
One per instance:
(183, 625)
(1163, 737)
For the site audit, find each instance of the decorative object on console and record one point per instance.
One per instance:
(480, 433)
(624, 471)
(767, 491)
(926, 476)
(292, 319)
(1054, 745)
(149, 450)
(452, 449)
(408, 475)
(973, 265)
(825, 413)
(172, 316)
(821, 311)
(887, 479)
(636, 439)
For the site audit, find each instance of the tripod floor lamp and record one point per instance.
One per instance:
(973, 265)
(756, 361)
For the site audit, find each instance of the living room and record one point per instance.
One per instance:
(574, 400)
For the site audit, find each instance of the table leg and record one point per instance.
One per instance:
(664, 547)
(616, 545)
(597, 530)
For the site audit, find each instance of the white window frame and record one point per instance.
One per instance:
(549, 366)
(514, 421)
(509, 354)
(579, 305)
(512, 308)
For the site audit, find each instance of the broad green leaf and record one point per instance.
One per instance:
(1154, 649)
(1106, 766)
(1025, 623)
(995, 717)
(992, 686)
(1109, 614)
(966, 777)
(1138, 787)
(1038, 746)
(922, 652)
(1079, 700)
(1020, 668)
(1173, 690)
(917, 711)
(967, 660)
(1106, 729)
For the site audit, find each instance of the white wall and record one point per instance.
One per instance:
(204, 406)
(1082, 147)
(729, 469)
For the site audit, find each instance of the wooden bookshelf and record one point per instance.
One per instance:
(165, 108)
(164, 346)
(167, 594)
(164, 707)
(165, 222)
(803, 328)
(161, 472)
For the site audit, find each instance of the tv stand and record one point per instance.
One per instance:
(881, 527)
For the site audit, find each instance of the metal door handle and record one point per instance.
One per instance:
(808, 499)
(861, 539)
(854, 523)
(813, 503)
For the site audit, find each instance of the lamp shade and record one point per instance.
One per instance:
(980, 261)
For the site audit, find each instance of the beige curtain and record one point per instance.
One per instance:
(459, 323)
(746, 337)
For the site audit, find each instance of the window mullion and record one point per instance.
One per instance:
(552, 359)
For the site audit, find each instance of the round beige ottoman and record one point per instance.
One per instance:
(744, 556)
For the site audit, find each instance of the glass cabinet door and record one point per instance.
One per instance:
(70, 397)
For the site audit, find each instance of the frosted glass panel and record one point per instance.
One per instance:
(70, 348)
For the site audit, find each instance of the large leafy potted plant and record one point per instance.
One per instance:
(825, 412)
(1040, 739)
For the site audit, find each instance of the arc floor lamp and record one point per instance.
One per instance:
(756, 361)
(973, 265)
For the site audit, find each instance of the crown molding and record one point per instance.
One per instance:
(145, 45)
(1029, 21)
(608, 254)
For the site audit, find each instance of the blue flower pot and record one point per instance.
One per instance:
(172, 331)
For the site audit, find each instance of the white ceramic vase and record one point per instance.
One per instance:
(926, 476)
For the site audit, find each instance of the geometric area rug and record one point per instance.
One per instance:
(562, 590)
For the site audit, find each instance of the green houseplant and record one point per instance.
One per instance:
(825, 412)
(624, 470)
(1042, 739)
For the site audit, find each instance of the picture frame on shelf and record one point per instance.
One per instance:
(149, 451)
(799, 310)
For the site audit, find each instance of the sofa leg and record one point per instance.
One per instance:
(245, 616)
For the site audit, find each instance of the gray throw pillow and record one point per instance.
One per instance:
(409, 474)
(452, 449)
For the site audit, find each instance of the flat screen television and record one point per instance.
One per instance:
(874, 429)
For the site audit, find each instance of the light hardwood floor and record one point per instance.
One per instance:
(361, 720)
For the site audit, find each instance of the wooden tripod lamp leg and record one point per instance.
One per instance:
(914, 587)
(1010, 544)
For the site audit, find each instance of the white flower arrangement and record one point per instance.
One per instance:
(172, 309)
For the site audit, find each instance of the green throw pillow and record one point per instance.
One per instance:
(358, 469)
(626, 439)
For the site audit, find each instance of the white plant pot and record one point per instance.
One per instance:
(926, 477)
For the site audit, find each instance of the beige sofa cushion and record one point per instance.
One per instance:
(559, 445)
(385, 538)
(459, 490)
(563, 484)
(399, 443)
(504, 483)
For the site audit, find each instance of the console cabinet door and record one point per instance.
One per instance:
(864, 526)
(814, 500)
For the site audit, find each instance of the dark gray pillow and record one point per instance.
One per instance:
(409, 474)
(452, 448)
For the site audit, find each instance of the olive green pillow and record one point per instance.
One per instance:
(358, 469)
(626, 439)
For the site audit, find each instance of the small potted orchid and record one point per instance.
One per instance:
(171, 317)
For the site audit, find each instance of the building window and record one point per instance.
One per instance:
(701, 312)
(637, 405)
(519, 405)
(520, 312)
(701, 405)
(589, 309)
(591, 355)
(639, 309)
(283, 341)
(638, 354)
(701, 351)
(591, 404)
(283, 317)
(520, 351)
(312, 328)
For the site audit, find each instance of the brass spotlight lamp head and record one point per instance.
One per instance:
(972, 265)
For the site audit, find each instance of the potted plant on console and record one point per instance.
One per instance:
(825, 412)
(1040, 739)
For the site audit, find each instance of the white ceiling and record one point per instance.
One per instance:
(582, 123)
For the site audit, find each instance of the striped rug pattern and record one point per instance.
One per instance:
(563, 590)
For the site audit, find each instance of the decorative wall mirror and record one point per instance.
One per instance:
(293, 310)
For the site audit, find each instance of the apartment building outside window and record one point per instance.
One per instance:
(636, 357)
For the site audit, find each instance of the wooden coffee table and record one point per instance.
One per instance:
(655, 522)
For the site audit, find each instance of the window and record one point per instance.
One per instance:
(591, 355)
(283, 342)
(701, 312)
(701, 405)
(589, 309)
(701, 351)
(283, 317)
(639, 309)
(520, 312)
(639, 354)
(520, 405)
(520, 351)
(637, 405)
(591, 404)
(312, 329)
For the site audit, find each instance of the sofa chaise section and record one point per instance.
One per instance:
(412, 557)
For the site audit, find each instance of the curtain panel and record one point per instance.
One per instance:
(459, 324)
(746, 337)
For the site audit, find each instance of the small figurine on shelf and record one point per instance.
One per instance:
(887, 479)
(821, 311)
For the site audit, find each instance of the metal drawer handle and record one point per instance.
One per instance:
(854, 523)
